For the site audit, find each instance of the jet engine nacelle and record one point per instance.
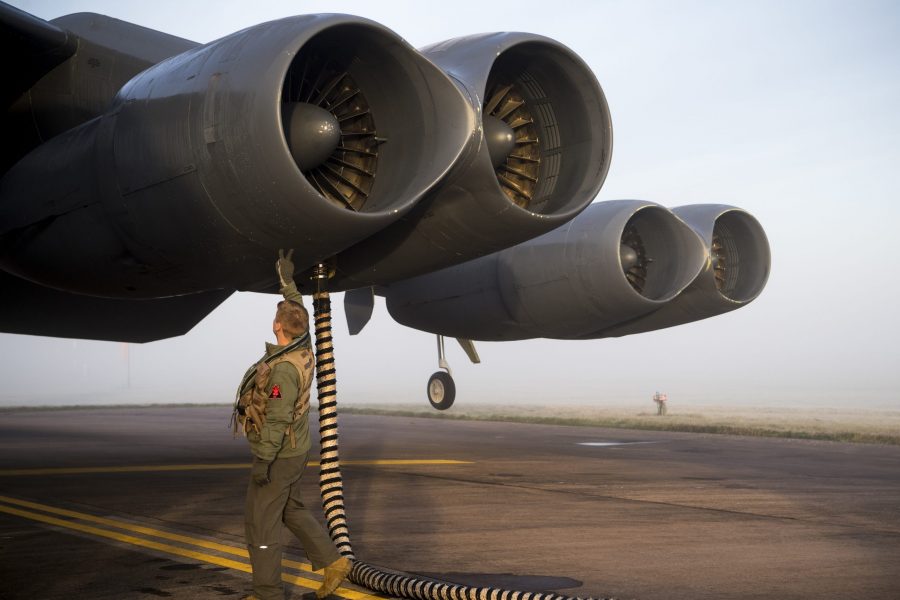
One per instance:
(310, 132)
(538, 157)
(615, 261)
(737, 271)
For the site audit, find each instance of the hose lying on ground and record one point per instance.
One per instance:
(331, 487)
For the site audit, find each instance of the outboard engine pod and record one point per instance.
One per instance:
(310, 132)
(539, 155)
(615, 261)
(736, 271)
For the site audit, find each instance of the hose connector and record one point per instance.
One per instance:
(320, 272)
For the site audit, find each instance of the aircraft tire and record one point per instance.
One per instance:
(441, 390)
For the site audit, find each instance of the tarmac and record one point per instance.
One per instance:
(148, 503)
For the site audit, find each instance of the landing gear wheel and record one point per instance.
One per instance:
(441, 390)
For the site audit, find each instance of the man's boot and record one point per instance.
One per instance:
(335, 573)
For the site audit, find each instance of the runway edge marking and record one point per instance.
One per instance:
(162, 547)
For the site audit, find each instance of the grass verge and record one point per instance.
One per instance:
(881, 427)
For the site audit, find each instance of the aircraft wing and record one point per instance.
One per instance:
(146, 177)
(28, 308)
(29, 48)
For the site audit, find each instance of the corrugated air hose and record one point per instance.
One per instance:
(331, 486)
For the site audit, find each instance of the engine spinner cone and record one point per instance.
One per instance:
(313, 133)
(500, 139)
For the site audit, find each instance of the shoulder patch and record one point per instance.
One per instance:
(275, 393)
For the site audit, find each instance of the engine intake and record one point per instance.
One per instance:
(536, 89)
(739, 252)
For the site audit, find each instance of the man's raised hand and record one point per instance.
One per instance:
(285, 268)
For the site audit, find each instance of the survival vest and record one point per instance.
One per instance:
(251, 399)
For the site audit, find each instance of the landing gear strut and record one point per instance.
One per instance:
(441, 389)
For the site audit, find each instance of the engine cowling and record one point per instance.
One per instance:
(310, 132)
(615, 261)
(538, 157)
(735, 274)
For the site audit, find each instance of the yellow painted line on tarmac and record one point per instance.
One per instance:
(210, 467)
(166, 535)
(161, 547)
(412, 461)
(128, 539)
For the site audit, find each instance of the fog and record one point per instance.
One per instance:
(790, 110)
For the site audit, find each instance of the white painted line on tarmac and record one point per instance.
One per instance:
(603, 444)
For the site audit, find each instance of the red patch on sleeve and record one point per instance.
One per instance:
(276, 393)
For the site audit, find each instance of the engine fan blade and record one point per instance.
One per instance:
(331, 131)
(634, 258)
(513, 143)
(719, 256)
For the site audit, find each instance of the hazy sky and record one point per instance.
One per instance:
(790, 110)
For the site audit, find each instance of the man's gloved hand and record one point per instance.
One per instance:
(260, 471)
(285, 268)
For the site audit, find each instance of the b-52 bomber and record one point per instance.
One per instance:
(145, 178)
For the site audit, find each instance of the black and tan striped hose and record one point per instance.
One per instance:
(377, 579)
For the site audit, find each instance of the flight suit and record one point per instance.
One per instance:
(279, 502)
(660, 400)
